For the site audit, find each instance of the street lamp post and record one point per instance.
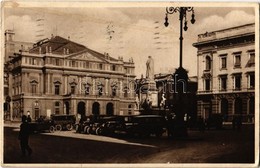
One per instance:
(182, 16)
(180, 76)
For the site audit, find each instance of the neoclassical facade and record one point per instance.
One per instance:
(59, 76)
(226, 72)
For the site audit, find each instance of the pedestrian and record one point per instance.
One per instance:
(29, 119)
(24, 137)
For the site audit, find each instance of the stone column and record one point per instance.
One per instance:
(94, 86)
(121, 88)
(66, 84)
(80, 84)
(48, 83)
(107, 87)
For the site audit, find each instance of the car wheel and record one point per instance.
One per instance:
(58, 127)
(88, 130)
(99, 131)
(52, 129)
(69, 127)
(85, 130)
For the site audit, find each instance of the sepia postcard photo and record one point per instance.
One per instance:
(129, 84)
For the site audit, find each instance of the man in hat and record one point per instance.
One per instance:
(24, 136)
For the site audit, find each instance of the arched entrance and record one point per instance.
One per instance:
(238, 106)
(81, 108)
(110, 109)
(224, 108)
(67, 107)
(96, 108)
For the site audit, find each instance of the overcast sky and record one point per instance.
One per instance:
(135, 32)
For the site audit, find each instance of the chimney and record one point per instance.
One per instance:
(68, 37)
(51, 35)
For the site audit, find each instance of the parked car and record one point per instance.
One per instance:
(42, 125)
(145, 125)
(63, 122)
(82, 125)
(111, 127)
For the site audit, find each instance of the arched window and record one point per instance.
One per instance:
(96, 108)
(110, 109)
(81, 108)
(208, 63)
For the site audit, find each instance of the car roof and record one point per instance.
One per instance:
(147, 116)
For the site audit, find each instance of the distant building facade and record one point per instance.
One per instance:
(226, 72)
(59, 76)
(11, 46)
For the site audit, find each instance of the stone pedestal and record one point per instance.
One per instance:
(149, 94)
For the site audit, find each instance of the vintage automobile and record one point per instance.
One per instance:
(63, 122)
(88, 124)
(110, 127)
(145, 125)
(42, 125)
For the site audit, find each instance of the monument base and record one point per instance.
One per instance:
(149, 93)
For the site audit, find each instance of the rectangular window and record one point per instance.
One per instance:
(224, 62)
(113, 67)
(33, 89)
(57, 62)
(207, 84)
(251, 61)
(87, 65)
(237, 82)
(6, 91)
(251, 82)
(100, 66)
(34, 61)
(223, 83)
(57, 89)
(72, 89)
(237, 60)
(73, 63)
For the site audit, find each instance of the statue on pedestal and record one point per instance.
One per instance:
(150, 69)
